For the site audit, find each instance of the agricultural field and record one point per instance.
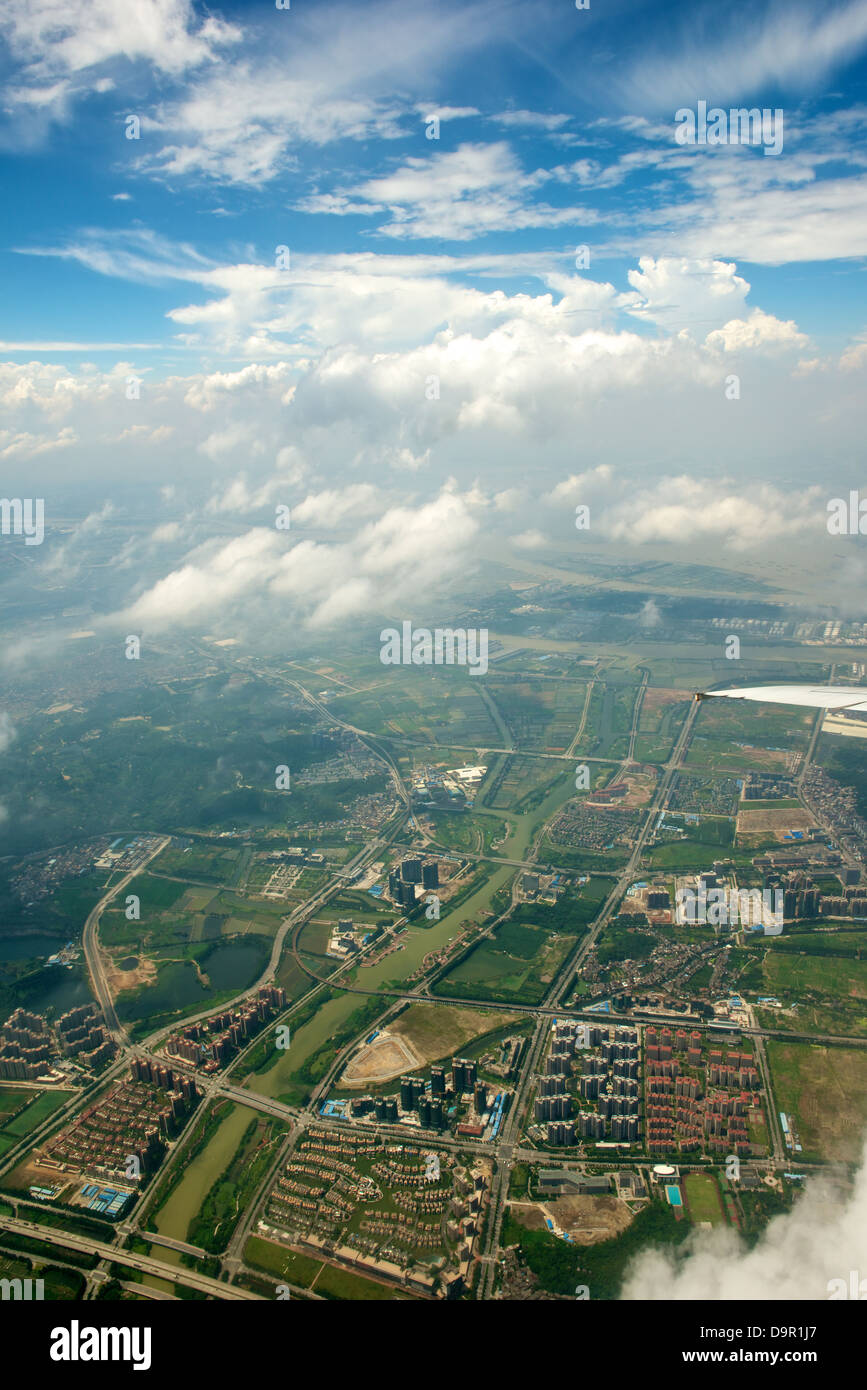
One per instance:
(517, 964)
(825, 1090)
(425, 705)
(541, 715)
(691, 846)
(213, 863)
(514, 780)
(609, 721)
(764, 738)
(22, 1110)
(291, 1267)
(662, 714)
(822, 993)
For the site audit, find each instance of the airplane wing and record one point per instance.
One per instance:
(848, 697)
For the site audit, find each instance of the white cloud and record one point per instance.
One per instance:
(321, 80)
(743, 54)
(30, 445)
(796, 1257)
(456, 195)
(686, 510)
(677, 292)
(7, 730)
(578, 487)
(758, 330)
(530, 540)
(530, 120)
(405, 556)
(63, 46)
(330, 508)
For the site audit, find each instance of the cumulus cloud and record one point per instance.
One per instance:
(758, 330)
(578, 486)
(685, 510)
(798, 1255)
(679, 293)
(330, 508)
(650, 615)
(529, 540)
(404, 556)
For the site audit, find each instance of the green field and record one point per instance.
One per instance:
(37, 1106)
(825, 1089)
(281, 1262)
(703, 1198)
(727, 736)
(517, 965)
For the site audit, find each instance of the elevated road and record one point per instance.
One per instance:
(174, 1274)
(92, 954)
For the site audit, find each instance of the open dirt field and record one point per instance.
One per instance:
(119, 980)
(641, 787)
(387, 1056)
(773, 822)
(658, 697)
(587, 1219)
(434, 1031)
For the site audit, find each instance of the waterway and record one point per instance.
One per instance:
(419, 941)
(175, 1216)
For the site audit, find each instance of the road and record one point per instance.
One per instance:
(146, 1263)
(507, 1149)
(92, 954)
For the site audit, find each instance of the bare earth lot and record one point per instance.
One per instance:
(587, 1219)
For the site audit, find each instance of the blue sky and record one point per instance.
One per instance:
(452, 259)
(307, 127)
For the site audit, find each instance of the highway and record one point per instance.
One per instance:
(146, 1263)
(507, 1149)
(92, 954)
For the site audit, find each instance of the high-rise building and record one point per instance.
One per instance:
(430, 874)
(406, 894)
(410, 871)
